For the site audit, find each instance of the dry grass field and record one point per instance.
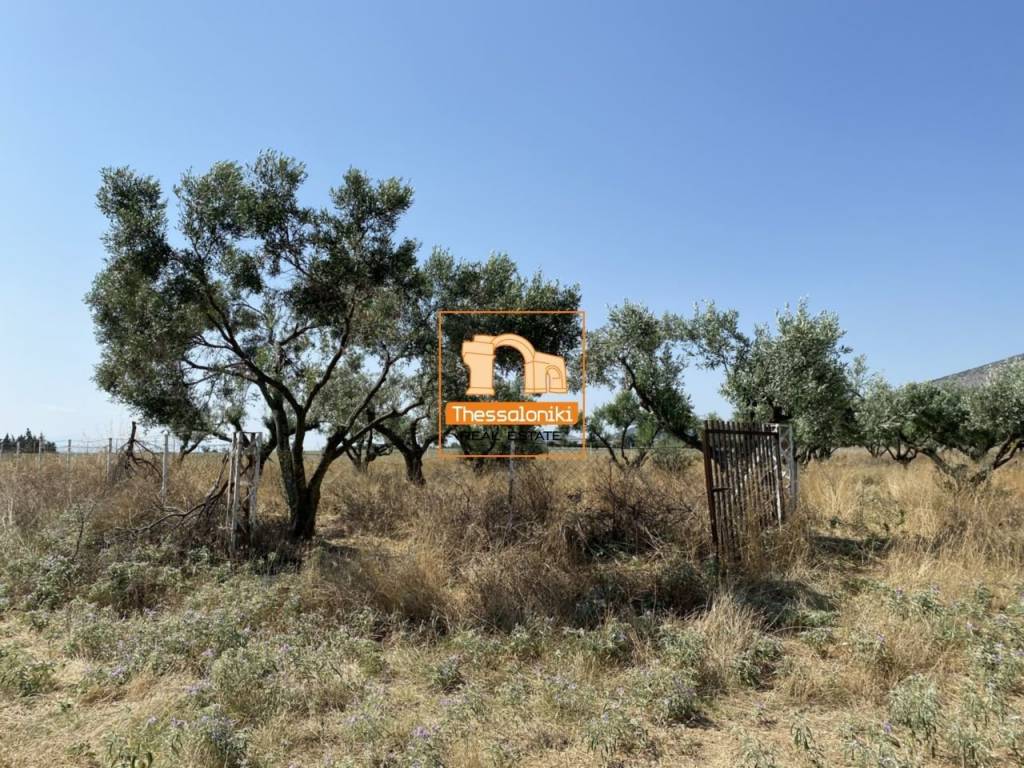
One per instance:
(576, 622)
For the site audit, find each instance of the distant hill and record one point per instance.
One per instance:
(975, 377)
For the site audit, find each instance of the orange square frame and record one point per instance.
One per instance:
(574, 455)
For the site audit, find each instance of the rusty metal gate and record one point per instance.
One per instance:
(750, 474)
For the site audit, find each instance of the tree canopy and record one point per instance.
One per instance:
(259, 298)
(967, 432)
(798, 373)
(801, 373)
(322, 320)
(636, 351)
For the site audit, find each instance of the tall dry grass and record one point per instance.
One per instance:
(576, 620)
(564, 540)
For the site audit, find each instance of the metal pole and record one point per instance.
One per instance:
(69, 458)
(511, 462)
(39, 450)
(163, 472)
(794, 477)
(231, 489)
(256, 470)
(236, 446)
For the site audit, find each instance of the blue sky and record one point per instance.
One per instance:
(868, 156)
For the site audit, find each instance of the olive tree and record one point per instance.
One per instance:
(882, 415)
(798, 373)
(640, 353)
(259, 304)
(966, 432)
(626, 431)
(802, 374)
(451, 284)
(997, 417)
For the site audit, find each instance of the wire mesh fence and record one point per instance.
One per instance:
(215, 479)
(626, 491)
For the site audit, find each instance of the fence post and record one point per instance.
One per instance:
(231, 491)
(110, 450)
(789, 450)
(511, 463)
(163, 471)
(257, 453)
(236, 445)
(39, 450)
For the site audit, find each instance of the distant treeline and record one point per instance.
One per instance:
(27, 443)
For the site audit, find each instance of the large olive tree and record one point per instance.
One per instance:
(259, 305)
(966, 432)
(882, 415)
(647, 356)
(798, 372)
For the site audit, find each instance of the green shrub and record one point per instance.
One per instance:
(447, 675)
(246, 681)
(423, 749)
(879, 746)
(803, 740)
(149, 744)
(914, 703)
(613, 642)
(758, 662)
(218, 740)
(999, 664)
(970, 746)
(21, 675)
(321, 677)
(54, 582)
(37, 577)
(685, 649)
(526, 644)
(615, 731)
(668, 696)
(94, 634)
(566, 695)
(757, 754)
(131, 587)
